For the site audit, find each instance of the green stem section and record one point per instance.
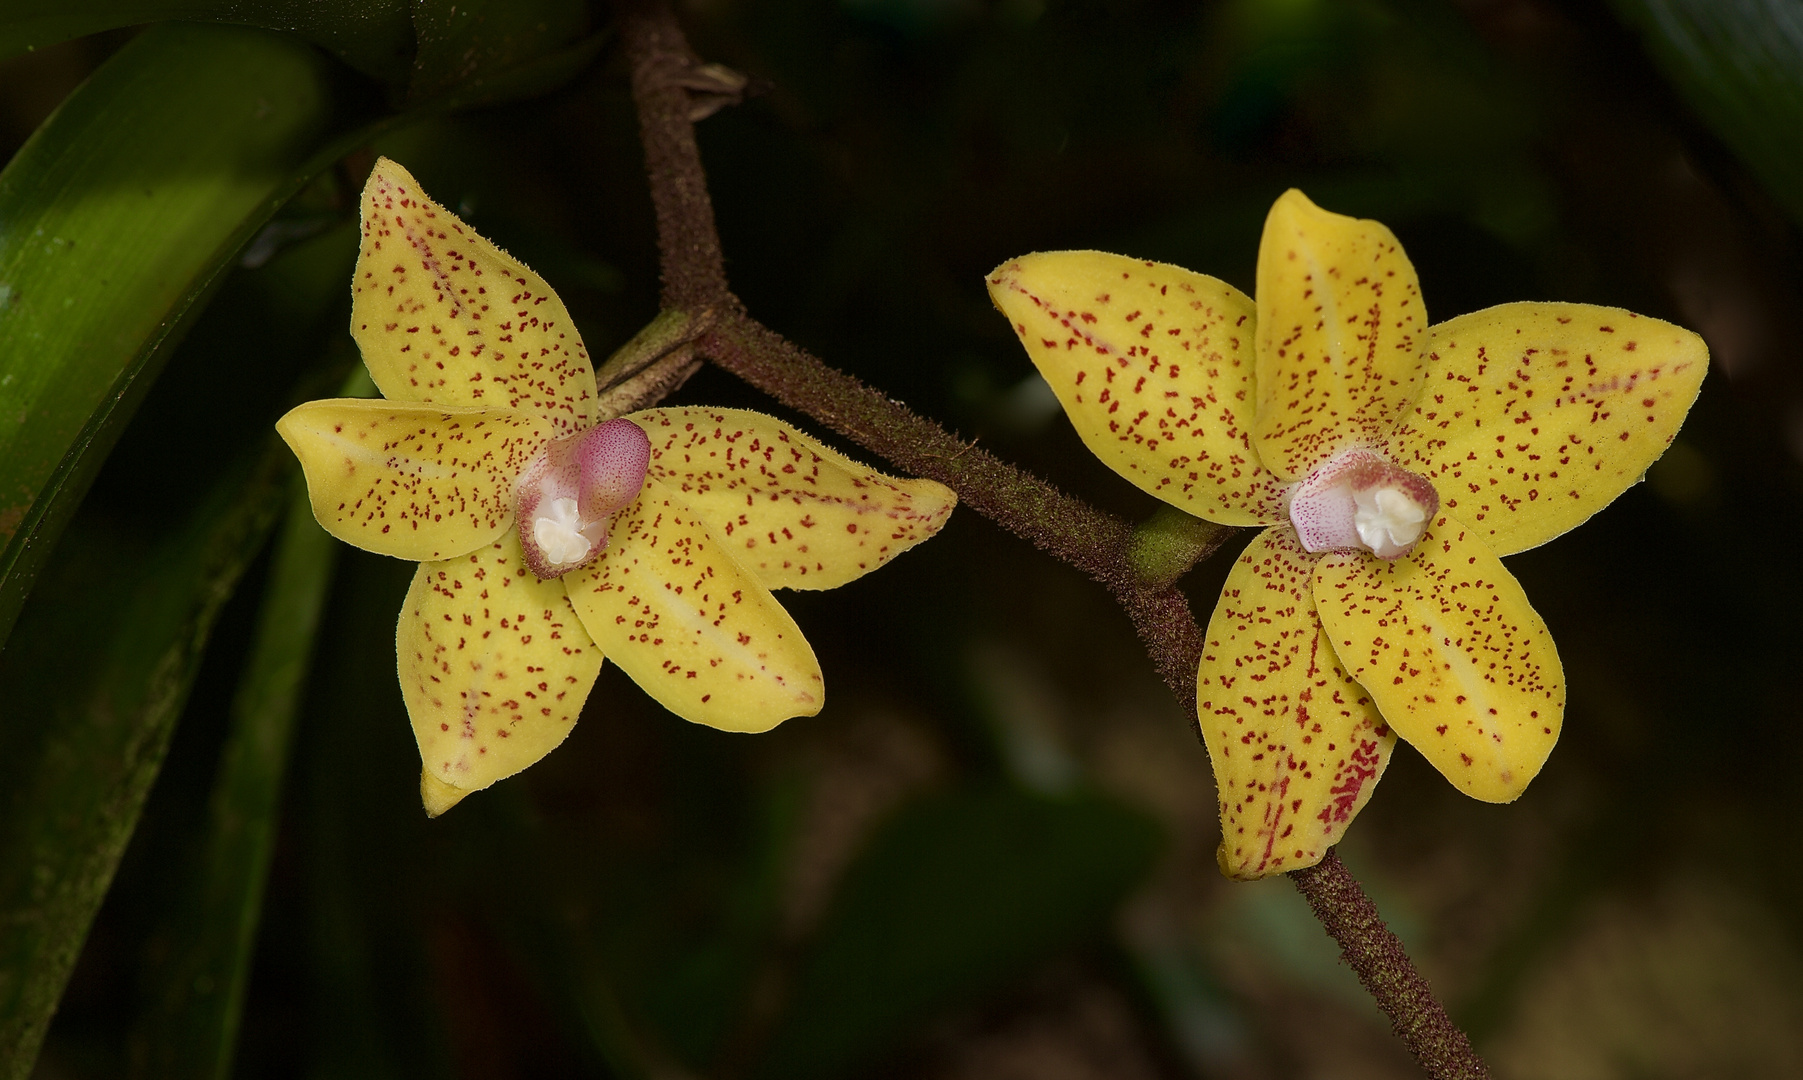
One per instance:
(1168, 543)
(646, 369)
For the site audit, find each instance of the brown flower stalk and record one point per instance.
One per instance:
(694, 283)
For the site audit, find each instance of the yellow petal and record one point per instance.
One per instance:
(1153, 364)
(1296, 744)
(1340, 331)
(436, 795)
(442, 315)
(494, 668)
(669, 604)
(795, 513)
(1453, 654)
(1532, 417)
(414, 481)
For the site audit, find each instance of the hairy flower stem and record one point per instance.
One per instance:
(647, 369)
(1105, 547)
(1069, 529)
(1376, 955)
(693, 269)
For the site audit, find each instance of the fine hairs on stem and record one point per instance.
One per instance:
(1101, 545)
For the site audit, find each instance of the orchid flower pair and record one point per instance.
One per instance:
(1390, 463)
(550, 536)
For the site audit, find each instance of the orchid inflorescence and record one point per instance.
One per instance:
(1390, 463)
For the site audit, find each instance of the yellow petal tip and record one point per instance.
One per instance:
(1340, 313)
(390, 169)
(437, 795)
(1233, 868)
(1295, 200)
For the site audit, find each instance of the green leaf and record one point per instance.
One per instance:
(115, 219)
(192, 1028)
(953, 897)
(373, 36)
(105, 658)
(1739, 63)
(111, 639)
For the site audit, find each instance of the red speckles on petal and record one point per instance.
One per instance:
(1297, 745)
(414, 481)
(1173, 410)
(668, 602)
(1540, 417)
(442, 315)
(479, 641)
(795, 513)
(1459, 662)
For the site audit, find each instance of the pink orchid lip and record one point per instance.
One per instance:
(567, 497)
(1358, 501)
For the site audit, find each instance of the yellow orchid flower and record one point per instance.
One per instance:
(548, 539)
(1392, 463)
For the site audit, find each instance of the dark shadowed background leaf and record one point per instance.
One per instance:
(953, 897)
(373, 36)
(472, 39)
(195, 999)
(1739, 63)
(107, 666)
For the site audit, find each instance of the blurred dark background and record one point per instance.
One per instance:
(991, 855)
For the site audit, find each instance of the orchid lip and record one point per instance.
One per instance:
(567, 497)
(1359, 501)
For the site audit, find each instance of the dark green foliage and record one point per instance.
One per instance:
(119, 216)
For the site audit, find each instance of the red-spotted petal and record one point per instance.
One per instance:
(1153, 364)
(1340, 331)
(494, 668)
(795, 513)
(1452, 652)
(696, 630)
(1297, 745)
(442, 315)
(1532, 417)
(413, 481)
